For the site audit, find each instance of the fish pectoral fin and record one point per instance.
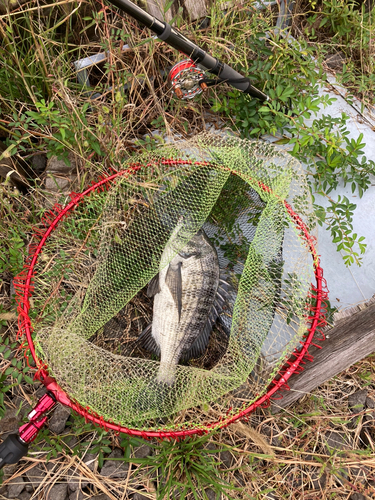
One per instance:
(147, 341)
(199, 345)
(173, 280)
(154, 286)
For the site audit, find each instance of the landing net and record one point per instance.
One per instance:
(95, 258)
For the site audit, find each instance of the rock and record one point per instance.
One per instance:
(75, 481)
(275, 440)
(59, 175)
(71, 441)
(9, 470)
(360, 475)
(143, 451)
(334, 441)
(25, 495)
(58, 492)
(356, 401)
(10, 422)
(4, 491)
(21, 405)
(211, 495)
(227, 458)
(317, 480)
(138, 496)
(115, 468)
(36, 475)
(39, 162)
(58, 420)
(102, 496)
(370, 403)
(15, 487)
(77, 495)
(335, 61)
(357, 496)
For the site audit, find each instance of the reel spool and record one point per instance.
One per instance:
(186, 79)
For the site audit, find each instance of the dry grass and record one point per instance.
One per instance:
(274, 456)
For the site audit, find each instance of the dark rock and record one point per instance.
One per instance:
(36, 475)
(356, 401)
(335, 61)
(25, 495)
(59, 175)
(227, 458)
(212, 495)
(4, 491)
(101, 496)
(210, 446)
(40, 392)
(75, 481)
(143, 451)
(23, 408)
(357, 496)
(15, 487)
(9, 470)
(318, 481)
(239, 478)
(10, 422)
(39, 163)
(138, 496)
(58, 492)
(268, 431)
(71, 441)
(335, 441)
(370, 403)
(77, 495)
(360, 475)
(58, 420)
(115, 468)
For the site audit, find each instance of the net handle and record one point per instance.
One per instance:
(24, 288)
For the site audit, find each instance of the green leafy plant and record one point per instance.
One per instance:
(185, 467)
(290, 77)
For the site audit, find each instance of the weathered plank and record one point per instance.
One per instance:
(350, 340)
(191, 9)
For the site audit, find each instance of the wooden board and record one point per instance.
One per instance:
(350, 340)
(191, 9)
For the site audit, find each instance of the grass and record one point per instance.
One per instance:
(44, 109)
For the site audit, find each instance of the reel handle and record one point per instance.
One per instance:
(12, 450)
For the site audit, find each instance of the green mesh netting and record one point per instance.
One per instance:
(92, 277)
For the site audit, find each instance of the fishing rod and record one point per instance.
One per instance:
(187, 81)
(186, 77)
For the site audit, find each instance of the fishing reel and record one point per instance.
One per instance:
(186, 79)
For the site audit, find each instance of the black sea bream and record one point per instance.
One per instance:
(188, 297)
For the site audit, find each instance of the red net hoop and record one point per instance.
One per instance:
(24, 289)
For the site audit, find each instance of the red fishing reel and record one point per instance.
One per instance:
(186, 79)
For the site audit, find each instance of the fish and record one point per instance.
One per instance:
(189, 295)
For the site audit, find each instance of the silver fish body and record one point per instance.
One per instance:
(188, 296)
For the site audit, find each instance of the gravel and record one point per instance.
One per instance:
(58, 420)
(115, 468)
(15, 487)
(58, 492)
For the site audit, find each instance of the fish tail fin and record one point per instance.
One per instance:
(147, 341)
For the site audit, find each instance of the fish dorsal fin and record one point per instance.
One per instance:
(173, 280)
(200, 345)
(147, 341)
(154, 286)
